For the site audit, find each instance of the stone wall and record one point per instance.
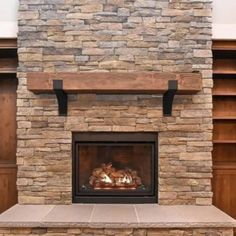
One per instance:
(115, 232)
(114, 35)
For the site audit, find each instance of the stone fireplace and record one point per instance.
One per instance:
(110, 109)
(66, 36)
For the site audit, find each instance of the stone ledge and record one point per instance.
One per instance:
(115, 216)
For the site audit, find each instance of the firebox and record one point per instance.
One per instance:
(113, 167)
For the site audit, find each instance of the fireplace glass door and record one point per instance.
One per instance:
(114, 167)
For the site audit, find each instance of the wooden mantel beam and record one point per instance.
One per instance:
(114, 82)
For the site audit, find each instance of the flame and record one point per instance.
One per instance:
(106, 179)
(126, 179)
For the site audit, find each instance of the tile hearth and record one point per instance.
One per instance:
(115, 216)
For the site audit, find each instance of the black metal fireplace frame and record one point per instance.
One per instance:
(116, 196)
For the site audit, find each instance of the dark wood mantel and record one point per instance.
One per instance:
(167, 84)
(114, 82)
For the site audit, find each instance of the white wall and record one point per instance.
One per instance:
(8, 18)
(224, 19)
(224, 11)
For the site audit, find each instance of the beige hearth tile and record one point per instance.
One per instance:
(182, 216)
(113, 214)
(73, 214)
(24, 215)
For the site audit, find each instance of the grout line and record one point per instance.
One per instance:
(92, 213)
(136, 213)
(52, 207)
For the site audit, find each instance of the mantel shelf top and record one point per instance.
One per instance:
(114, 82)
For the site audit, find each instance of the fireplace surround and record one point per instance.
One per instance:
(111, 47)
(115, 167)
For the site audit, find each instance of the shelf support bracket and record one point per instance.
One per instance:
(62, 97)
(168, 97)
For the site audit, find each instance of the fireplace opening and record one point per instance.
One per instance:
(114, 167)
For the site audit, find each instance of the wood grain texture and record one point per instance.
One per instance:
(8, 65)
(224, 129)
(224, 45)
(224, 66)
(224, 86)
(223, 185)
(8, 43)
(224, 153)
(224, 106)
(8, 196)
(114, 82)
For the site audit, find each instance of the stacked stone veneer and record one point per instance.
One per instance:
(115, 232)
(114, 35)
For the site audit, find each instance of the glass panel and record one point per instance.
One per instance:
(115, 166)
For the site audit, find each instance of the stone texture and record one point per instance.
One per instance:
(114, 35)
(114, 232)
(117, 216)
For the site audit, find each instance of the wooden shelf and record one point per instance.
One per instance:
(8, 65)
(224, 87)
(8, 165)
(223, 94)
(224, 130)
(224, 72)
(224, 152)
(115, 82)
(8, 71)
(231, 166)
(224, 66)
(224, 125)
(224, 141)
(224, 117)
(8, 44)
(167, 84)
(224, 107)
(224, 45)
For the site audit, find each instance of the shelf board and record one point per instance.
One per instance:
(223, 94)
(8, 44)
(115, 82)
(8, 70)
(224, 45)
(224, 141)
(224, 117)
(231, 165)
(8, 165)
(224, 72)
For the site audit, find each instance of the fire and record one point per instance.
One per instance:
(106, 179)
(126, 179)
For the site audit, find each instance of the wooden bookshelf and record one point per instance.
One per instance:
(224, 125)
(8, 126)
(8, 56)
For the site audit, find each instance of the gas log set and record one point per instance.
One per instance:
(108, 177)
(114, 167)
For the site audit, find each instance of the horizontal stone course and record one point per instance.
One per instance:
(115, 232)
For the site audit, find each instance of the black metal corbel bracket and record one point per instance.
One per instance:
(168, 97)
(61, 97)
